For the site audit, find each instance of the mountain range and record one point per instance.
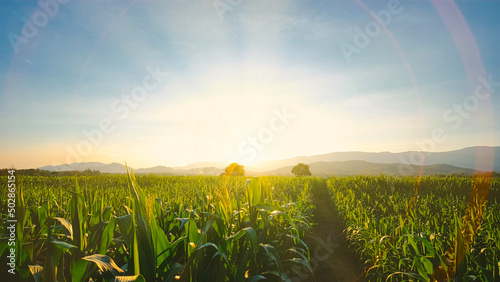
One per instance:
(480, 158)
(465, 161)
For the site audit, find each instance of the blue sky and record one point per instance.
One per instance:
(175, 82)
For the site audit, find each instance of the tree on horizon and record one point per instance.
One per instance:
(301, 170)
(235, 169)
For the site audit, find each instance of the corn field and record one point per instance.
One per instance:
(109, 228)
(422, 229)
(218, 228)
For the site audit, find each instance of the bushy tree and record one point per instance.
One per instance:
(301, 170)
(235, 169)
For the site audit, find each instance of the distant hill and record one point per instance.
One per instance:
(119, 168)
(472, 157)
(464, 161)
(203, 165)
(106, 168)
(156, 170)
(201, 171)
(347, 168)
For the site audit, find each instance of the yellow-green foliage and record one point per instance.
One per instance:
(428, 229)
(158, 228)
(220, 228)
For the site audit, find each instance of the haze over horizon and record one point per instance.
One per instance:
(485, 164)
(178, 82)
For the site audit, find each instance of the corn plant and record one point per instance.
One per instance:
(156, 228)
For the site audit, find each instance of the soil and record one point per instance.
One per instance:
(330, 257)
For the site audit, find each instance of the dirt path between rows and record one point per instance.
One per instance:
(330, 258)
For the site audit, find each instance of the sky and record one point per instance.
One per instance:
(169, 82)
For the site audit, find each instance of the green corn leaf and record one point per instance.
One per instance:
(79, 271)
(77, 216)
(244, 263)
(53, 256)
(268, 207)
(106, 214)
(277, 274)
(67, 225)
(137, 278)
(125, 225)
(36, 271)
(408, 274)
(286, 217)
(3, 245)
(428, 266)
(19, 206)
(298, 251)
(251, 235)
(256, 278)
(63, 246)
(160, 242)
(107, 236)
(170, 247)
(192, 231)
(272, 253)
(143, 252)
(104, 263)
(174, 270)
(254, 191)
(302, 261)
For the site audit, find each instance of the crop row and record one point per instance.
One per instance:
(153, 228)
(422, 229)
